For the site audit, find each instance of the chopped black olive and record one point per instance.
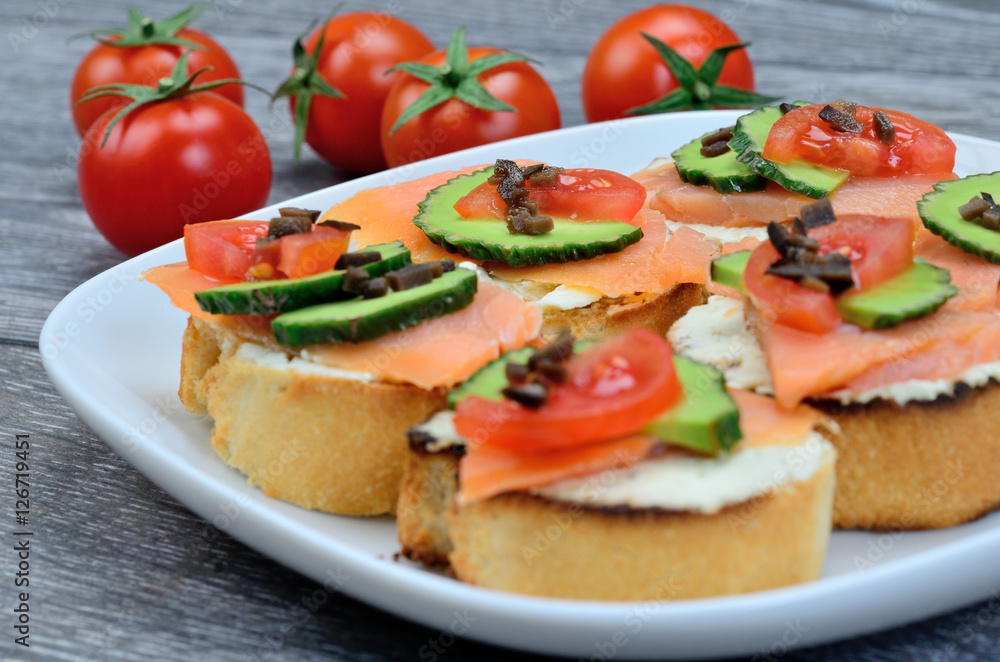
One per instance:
(533, 395)
(354, 280)
(528, 171)
(520, 221)
(556, 351)
(339, 225)
(814, 283)
(286, 225)
(725, 133)
(717, 148)
(884, 130)
(557, 373)
(786, 108)
(991, 219)
(988, 198)
(972, 209)
(357, 259)
(517, 373)
(839, 121)
(374, 288)
(503, 169)
(263, 241)
(817, 213)
(800, 260)
(848, 108)
(311, 214)
(447, 265)
(544, 176)
(414, 275)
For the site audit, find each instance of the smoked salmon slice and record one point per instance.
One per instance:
(687, 203)
(764, 423)
(976, 279)
(440, 352)
(655, 264)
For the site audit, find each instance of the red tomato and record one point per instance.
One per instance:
(879, 248)
(584, 194)
(783, 301)
(357, 50)
(615, 388)
(624, 71)
(145, 65)
(454, 124)
(920, 147)
(170, 163)
(222, 249)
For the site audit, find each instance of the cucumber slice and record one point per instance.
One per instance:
(939, 211)
(268, 297)
(489, 240)
(364, 319)
(728, 270)
(917, 292)
(724, 173)
(707, 420)
(808, 179)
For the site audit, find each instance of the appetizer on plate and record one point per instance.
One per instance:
(620, 472)
(731, 183)
(577, 241)
(842, 312)
(313, 360)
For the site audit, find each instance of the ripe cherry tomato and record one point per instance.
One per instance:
(879, 248)
(222, 249)
(454, 124)
(586, 194)
(615, 388)
(624, 71)
(358, 48)
(106, 63)
(919, 146)
(170, 163)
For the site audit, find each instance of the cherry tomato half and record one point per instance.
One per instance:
(222, 249)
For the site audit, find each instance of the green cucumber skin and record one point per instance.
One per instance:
(938, 210)
(865, 310)
(726, 268)
(490, 379)
(286, 295)
(699, 170)
(748, 144)
(327, 323)
(515, 256)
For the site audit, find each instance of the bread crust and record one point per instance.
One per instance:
(430, 481)
(315, 440)
(654, 311)
(529, 544)
(923, 465)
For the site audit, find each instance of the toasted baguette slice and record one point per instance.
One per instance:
(922, 465)
(541, 543)
(304, 435)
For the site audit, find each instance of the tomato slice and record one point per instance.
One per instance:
(919, 147)
(485, 472)
(879, 248)
(584, 194)
(784, 301)
(222, 249)
(615, 388)
(312, 252)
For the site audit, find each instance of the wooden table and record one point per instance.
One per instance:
(115, 575)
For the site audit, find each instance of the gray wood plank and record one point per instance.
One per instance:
(123, 571)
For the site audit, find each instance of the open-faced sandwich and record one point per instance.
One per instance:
(618, 472)
(313, 361)
(900, 347)
(730, 183)
(577, 241)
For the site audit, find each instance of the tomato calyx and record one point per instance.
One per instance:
(456, 78)
(305, 81)
(698, 88)
(144, 31)
(178, 84)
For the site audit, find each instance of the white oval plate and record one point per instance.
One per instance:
(112, 348)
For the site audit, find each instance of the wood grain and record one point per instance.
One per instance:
(122, 571)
